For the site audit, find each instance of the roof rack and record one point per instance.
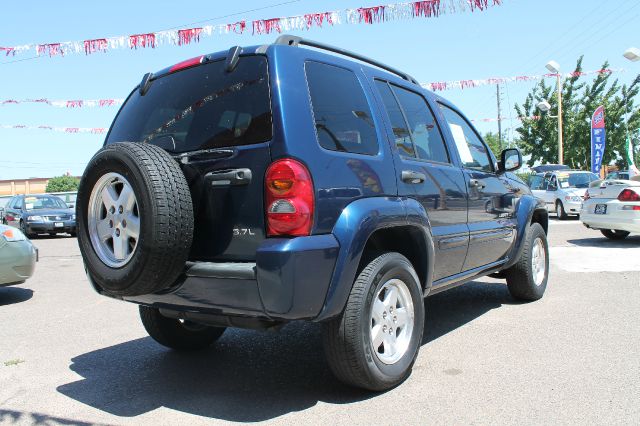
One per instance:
(291, 40)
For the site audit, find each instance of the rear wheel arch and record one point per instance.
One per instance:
(407, 240)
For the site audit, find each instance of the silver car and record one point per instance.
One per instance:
(18, 256)
(562, 190)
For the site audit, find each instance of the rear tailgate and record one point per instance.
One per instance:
(218, 125)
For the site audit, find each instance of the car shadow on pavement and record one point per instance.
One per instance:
(632, 241)
(11, 295)
(247, 376)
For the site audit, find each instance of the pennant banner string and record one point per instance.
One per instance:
(435, 86)
(181, 37)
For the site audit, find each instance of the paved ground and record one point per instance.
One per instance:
(69, 356)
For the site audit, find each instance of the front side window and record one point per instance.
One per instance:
(474, 154)
(200, 108)
(342, 115)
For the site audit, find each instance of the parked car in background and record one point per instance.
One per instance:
(40, 214)
(3, 203)
(619, 175)
(17, 256)
(614, 209)
(543, 168)
(562, 191)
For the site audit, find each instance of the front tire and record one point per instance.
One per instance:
(375, 342)
(562, 214)
(614, 234)
(176, 334)
(527, 279)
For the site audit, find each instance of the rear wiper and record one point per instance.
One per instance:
(204, 154)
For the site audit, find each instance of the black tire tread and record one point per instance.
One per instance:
(614, 234)
(519, 275)
(342, 350)
(171, 215)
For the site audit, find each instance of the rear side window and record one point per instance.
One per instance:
(414, 126)
(342, 115)
(536, 182)
(200, 108)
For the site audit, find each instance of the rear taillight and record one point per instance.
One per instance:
(628, 195)
(289, 200)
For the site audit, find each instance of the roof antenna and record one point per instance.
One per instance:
(233, 57)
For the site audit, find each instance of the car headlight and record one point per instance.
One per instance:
(12, 234)
(73, 217)
(34, 218)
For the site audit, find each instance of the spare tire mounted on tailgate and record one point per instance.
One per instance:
(135, 219)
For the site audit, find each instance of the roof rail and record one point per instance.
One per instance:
(291, 40)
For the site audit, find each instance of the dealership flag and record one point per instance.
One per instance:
(598, 139)
(633, 170)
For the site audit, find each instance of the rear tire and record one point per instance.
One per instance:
(176, 334)
(527, 279)
(371, 315)
(614, 234)
(562, 214)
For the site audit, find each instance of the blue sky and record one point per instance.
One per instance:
(517, 38)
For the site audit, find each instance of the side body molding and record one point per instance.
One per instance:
(357, 222)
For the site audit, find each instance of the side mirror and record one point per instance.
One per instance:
(510, 160)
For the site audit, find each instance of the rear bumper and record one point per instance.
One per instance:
(572, 207)
(288, 281)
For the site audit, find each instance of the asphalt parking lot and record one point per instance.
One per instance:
(69, 356)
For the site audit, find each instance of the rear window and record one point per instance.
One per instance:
(341, 112)
(200, 108)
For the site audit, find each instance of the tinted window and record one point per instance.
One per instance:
(474, 154)
(398, 124)
(341, 112)
(422, 125)
(201, 107)
(536, 182)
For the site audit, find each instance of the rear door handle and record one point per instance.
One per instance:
(229, 177)
(409, 176)
(476, 183)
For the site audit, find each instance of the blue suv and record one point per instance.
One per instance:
(261, 185)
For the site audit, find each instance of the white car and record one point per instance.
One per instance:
(613, 208)
(562, 190)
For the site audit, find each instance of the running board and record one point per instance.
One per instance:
(463, 277)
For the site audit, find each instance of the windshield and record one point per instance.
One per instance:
(576, 180)
(36, 203)
(200, 108)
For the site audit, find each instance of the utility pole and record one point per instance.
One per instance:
(499, 118)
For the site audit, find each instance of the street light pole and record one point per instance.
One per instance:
(560, 145)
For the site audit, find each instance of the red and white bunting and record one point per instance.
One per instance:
(468, 84)
(93, 130)
(361, 15)
(434, 86)
(72, 103)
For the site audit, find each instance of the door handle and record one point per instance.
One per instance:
(409, 176)
(229, 177)
(476, 183)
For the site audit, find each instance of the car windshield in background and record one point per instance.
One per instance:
(576, 180)
(38, 203)
(200, 108)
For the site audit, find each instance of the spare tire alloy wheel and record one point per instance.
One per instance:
(113, 219)
(134, 219)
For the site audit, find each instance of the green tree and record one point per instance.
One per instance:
(539, 132)
(492, 140)
(62, 184)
